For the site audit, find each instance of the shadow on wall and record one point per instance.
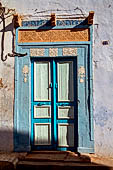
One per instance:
(8, 28)
(6, 140)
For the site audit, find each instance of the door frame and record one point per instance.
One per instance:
(22, 121)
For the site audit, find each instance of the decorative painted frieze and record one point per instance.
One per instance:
(69, 51)
(37, 52)
(48, 23)
(53, 52)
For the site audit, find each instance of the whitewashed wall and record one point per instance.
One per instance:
(102, 62)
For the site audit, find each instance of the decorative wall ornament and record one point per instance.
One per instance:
(17, 20)
(53, 52)
(37, 52)
(81, 73)
(69, 51)
(25, 72)
(81, 80)
(53, 35)
(90, 17)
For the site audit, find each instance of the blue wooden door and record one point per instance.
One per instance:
(66, 104)
(54, 104)
(41, 133)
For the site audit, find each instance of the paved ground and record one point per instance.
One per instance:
(9, 160)
(101, 160)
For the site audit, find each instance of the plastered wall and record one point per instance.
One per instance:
(102, 65)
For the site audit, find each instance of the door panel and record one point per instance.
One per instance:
(65, 135)
(65, 112)
(42, 134)
(65, 104)
(65, 81)
(42, 111)
(41, 105)
(42, 78)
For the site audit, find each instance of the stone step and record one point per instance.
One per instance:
(29, 165)
(55, 157)
(5, 165)
(58, 160)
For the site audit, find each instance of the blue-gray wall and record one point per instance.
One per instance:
(102, 65)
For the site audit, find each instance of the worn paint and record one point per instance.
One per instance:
(1, 83)
(81, 80)
(103, 79)
(25, 69)
(25, 79)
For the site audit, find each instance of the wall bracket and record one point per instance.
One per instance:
(17, 20)
(90, 17)
(53, 19)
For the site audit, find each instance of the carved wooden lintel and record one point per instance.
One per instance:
(53, 19)
(90, 17)
(17, 20)
(53, 35)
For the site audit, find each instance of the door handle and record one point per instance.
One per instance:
(50, 85)
(78, 101)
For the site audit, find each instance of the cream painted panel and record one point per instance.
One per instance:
(65, 81)
(66, 112)
(42, 134)
(53, 52)
(42, 81)
(42, 111)
(69, 51)
(37, 52)
(66, 135)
